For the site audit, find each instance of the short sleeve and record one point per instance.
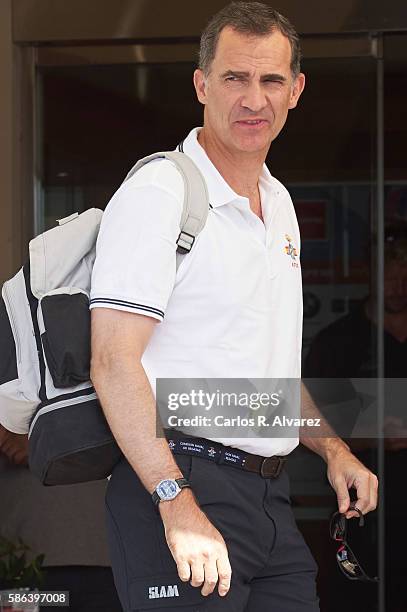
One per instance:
(135, 263)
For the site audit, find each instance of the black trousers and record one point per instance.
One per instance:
(272, 567)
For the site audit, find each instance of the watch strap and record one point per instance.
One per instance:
(155, 497)
(182, 483)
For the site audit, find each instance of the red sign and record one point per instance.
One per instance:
(312, 219)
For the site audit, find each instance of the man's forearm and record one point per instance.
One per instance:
(325, 444)
(129, 406)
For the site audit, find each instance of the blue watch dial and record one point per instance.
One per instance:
(167, 489)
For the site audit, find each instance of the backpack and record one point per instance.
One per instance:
(45, 389)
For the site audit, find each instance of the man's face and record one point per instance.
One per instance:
(248, 91)
(395, 287)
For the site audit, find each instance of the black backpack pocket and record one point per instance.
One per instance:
(64, 322)
(70, 441)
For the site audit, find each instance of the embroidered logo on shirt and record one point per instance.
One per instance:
(290, 248)
(291, 251)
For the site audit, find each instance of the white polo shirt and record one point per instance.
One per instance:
(234, 307)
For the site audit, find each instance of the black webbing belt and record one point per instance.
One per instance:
(181, 444)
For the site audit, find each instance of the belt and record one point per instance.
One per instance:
(267, 467)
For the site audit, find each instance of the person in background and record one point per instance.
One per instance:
(347, 348)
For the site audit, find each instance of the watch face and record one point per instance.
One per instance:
(167, 489)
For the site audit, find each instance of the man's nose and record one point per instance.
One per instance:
(254, 98)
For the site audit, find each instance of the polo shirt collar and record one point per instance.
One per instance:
(219, 190)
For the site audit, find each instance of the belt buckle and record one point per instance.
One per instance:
(268, 470)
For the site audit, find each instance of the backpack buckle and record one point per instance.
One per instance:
(185, 242)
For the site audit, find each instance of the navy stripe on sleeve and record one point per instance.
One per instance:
(127, 304)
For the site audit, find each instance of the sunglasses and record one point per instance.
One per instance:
(348, 564)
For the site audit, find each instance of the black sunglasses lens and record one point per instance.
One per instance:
(348, 563)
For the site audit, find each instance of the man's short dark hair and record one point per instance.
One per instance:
(253, 19)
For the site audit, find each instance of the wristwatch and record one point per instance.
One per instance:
(168, 489)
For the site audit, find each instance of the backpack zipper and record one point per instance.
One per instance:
(10, 310)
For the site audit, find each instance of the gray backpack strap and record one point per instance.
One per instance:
(196, 199)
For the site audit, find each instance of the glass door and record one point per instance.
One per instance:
(102, 108)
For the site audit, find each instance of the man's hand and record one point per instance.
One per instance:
(198, 548)
(346, 471)
(14, 446)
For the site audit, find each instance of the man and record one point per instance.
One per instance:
(233, 309)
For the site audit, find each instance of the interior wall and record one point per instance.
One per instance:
(16, 146)
(59, 20)
(6, 141)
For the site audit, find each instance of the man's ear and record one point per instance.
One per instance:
(297, 90)
(200, 85)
